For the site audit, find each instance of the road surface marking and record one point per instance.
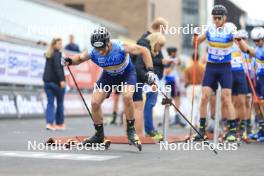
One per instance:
(61, 156)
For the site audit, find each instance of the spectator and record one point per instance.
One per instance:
(199, 72)
(54, 85)
(158, 64)
(72, 46)
(156, 26)
(154, 42)
(172, 77)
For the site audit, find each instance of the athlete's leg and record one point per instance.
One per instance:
(129, 110)
(260, 111)
(227, 100)
(211, 122)
(206, 94)
(139, 107)
(213, 106)
(98, 97)
(209, 81)
(230, 115)
(240, 107)
(249, 109)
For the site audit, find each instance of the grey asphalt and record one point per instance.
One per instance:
(14, 135)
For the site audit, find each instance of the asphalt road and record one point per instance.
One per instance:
(16, 159)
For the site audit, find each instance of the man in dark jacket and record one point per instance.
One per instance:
(155, 27)
(72, 46)
(151, 97)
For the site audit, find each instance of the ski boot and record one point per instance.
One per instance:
(243, 131)
(133, 139)
(201, 137)
(98, 139)
(230, 136)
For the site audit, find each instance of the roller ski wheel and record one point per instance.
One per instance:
(107, 144)
(90, 142)
(202, 137)
(136, 144)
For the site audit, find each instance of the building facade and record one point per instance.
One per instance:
(137, 15)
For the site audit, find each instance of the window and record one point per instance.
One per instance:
(152, 11)
(79, 7)
(190, 16)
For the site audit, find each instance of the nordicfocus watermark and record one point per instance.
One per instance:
(124, 87)
(197, 146)
(36, 146)
(194, 29)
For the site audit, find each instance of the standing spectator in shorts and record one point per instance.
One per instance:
(72, 46)
(54, 85)
(199, 73)
(171, 76)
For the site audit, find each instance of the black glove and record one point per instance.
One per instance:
(151, 77)
(66, 61)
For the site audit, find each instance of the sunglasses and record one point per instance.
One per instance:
(218, 18)
(256, 41)
(101, 49)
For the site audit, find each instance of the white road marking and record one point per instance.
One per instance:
(61, 156)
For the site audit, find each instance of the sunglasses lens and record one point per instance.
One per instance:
(218, 18)
(100, 49)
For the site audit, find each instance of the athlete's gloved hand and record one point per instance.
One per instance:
(151, 77)
(66, 61)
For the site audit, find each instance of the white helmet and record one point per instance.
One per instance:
(242, 33)
(257, 33)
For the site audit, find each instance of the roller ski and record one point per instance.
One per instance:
(243, 135)
(133, 139)
(259, 136)
(98, 139)
(230, 137)
(200, 137)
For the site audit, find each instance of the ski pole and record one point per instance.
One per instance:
(80, 93)
(185, 118)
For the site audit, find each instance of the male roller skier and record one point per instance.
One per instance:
(113, 57)
(220, 36)
(257, 35)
